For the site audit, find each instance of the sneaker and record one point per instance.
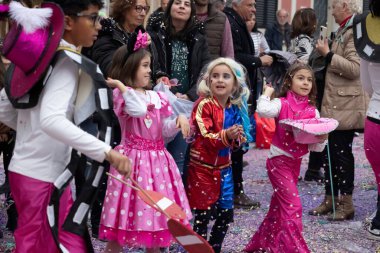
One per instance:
(373, 233)
(243, 201)
(369, 219)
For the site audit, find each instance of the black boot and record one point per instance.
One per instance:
(316, 162)
(5, 188)
(219, 230)
(314, 175)
(12, 214)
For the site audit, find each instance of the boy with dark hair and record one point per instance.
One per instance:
(47, 135)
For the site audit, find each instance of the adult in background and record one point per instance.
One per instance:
(218, 29)
(157, 16)
(304, 25)
(302, 44)
(259, 41)
(238, 13)
(278, 33)
(182, 52)
(126, 15)
(366, 35)
(344, 100)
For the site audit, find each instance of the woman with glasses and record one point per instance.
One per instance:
(126, 15)
(182, 51)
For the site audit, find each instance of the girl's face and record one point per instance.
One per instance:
(222, 82)
(302, 82)
(143, 73)
(181, 10)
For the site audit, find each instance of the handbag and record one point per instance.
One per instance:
(265, 129)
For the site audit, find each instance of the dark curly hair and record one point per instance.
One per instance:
(288, 78)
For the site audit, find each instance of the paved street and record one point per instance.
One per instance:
(321, 235)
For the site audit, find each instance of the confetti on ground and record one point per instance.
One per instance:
(321, 235)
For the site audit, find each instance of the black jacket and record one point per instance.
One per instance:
(155, 20)
(244, 50)
(198, 56)
(274, 36)
(110, 38)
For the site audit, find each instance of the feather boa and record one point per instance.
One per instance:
(31, 19)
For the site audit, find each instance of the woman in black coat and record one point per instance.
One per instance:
(126, 16)
(182, 51)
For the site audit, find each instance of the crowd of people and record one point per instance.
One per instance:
(79, 97)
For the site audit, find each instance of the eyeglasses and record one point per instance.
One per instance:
(95, 18)
(140, 8)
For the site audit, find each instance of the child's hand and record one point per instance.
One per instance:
(268, 90)
(163, 79)
(113, 83)
(183, 123)
(234, 132)
(120, 162)
(183, 96)
(322, 137)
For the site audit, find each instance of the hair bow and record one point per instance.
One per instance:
(141, 41)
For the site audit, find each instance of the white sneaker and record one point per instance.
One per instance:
(369, 219)
(373, 233)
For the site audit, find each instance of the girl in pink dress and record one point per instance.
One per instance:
(144, 120)
(281, 230)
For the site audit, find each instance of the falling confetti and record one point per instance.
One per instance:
(321, 235)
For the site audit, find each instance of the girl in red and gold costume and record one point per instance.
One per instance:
(220, 121)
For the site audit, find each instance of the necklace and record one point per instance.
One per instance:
(148, 120)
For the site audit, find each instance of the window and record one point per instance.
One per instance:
(266, 12)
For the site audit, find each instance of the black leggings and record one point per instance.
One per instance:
(223, 218)
(342, 163)
(237, 170)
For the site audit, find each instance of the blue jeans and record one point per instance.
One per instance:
(177, 148)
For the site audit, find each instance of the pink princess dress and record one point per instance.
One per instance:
(126, 219)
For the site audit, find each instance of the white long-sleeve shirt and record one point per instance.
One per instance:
(45, 133)
(136, 106)
(370, 79)
(267, 108)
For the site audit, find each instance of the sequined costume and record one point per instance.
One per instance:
(210, 155)
(210, 181)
